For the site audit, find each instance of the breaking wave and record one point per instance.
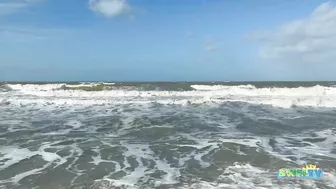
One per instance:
(88, 94)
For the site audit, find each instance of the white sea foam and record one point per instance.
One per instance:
(51, 102)
(20, 176)
(246, 176)
(246, 90)
(219, 87)
(35, 87)
(74, 123)
(284, 146)
(143, 151)
(12, 155)
(330, 178)
(317, 96)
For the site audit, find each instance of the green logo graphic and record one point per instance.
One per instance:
(308, 172)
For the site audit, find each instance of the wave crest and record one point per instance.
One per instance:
(93, 93)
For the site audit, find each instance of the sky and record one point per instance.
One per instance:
(167, 40)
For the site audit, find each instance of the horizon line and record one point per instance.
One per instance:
(144, 81)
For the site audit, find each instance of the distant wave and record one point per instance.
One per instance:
(93, 93)
(219, 87)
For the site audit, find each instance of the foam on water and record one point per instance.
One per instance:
(35, 87)
(286, 149)
(51, 87)
(246, 176)
(13, 155)
(83, 133)
(74, 123)
(317, 96)
(140, 152)
(219, 87)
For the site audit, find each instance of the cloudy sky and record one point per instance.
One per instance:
(137, 40)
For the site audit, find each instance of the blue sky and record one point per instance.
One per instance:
(171, 40)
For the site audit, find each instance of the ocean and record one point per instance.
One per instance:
(211, 135)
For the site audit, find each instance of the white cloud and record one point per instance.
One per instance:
(109, 8)
(14, 6)
(308, 40)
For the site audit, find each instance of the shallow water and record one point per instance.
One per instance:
(170, 135)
